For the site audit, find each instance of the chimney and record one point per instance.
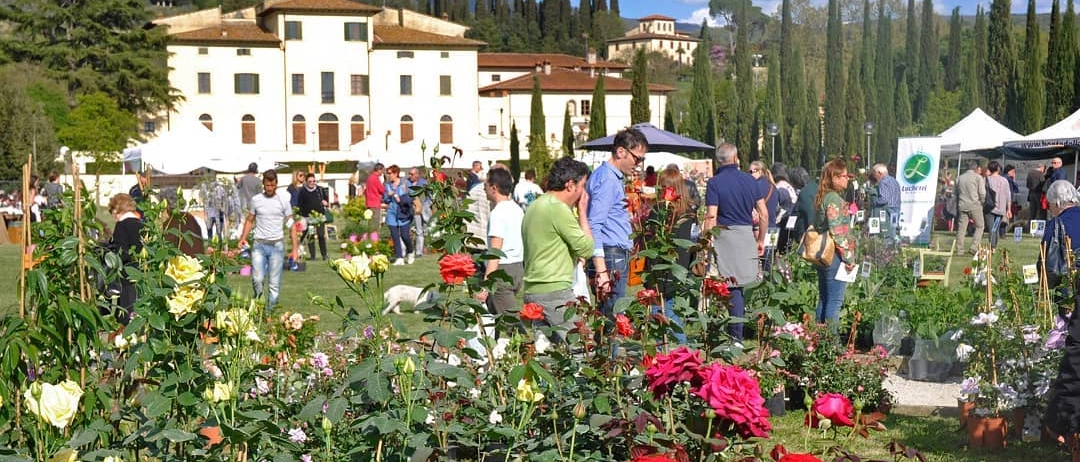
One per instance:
(401, 17)
(592, 72)
(547, 67)
(224, 33)
(590, 57)
(539, 66)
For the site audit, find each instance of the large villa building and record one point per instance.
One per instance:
(331, 80)
(655, 33)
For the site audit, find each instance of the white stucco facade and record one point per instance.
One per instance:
(654, 33)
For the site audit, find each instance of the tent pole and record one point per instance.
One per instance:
(959, 162)
(1076, 157)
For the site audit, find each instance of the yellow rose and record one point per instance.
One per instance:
(55, 404)
(362, 267)
(379, 263)
(184, 269)
(345, 269)
(528, 392)
(368, 214)
(184, 300)
(221, 391)
(65, 455)
(405, 365)
(112, 459)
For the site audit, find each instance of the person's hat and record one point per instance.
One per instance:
(253, 167)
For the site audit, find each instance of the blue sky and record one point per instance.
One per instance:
(693, 11)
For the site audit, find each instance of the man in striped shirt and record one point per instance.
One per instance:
(887, 199)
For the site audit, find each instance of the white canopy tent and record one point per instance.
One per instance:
(1066, 131)
(188, 148)
(974, 132)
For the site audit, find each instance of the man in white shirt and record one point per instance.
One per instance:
(527, 190)
(504, 234)
(270, 212)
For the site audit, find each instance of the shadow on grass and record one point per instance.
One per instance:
(939, 439)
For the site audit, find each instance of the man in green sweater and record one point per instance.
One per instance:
(555, 241)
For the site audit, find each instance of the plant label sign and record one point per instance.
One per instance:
(791, 222)
(1038, 227)
(865, 270)
(882, 215)
(772, 236)
(1031, 274)
(916, 269)
(860, 216)
(875, 225)
(1018, 233)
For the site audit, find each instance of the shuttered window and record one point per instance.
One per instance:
(356, 129)
(299, 130)
(406, 129)
(247, 129)
(446, 130)
(328, 132)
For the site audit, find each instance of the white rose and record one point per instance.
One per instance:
(55, 404)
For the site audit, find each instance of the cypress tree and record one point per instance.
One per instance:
(669, 120)
(953, 59)
(515, 151)
(615, 8)
(911, 46)
(537, 142)
(598, 112)
(812, 126)
(1000, 63)
(1033, 96)
(834, 82)
(701, 122)
(1054, 104)
(982, 53)
(639, 89)
(903, 110)
(866, 69)
(795, 110)
(929, 64)
(584, 23)
(567, 134)
(790, 93)
(1069, 59)
(884, 75)
(772, 110)
(550, 24)
(969, 88)
(854, 116)
(744, 83)
(599, 5)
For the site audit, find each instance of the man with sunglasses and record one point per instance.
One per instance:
(609, 217)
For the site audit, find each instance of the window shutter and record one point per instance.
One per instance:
(328, 136)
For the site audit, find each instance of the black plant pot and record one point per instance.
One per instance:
(776, 404)
(795, 396)
(907, 346)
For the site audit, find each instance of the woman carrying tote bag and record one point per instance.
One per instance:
(832, 215)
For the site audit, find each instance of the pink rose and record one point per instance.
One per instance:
(833, 407)
(736, 398)
(670, 369)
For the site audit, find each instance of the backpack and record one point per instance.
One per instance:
(991, 198)
(405, 209)
(54, 194)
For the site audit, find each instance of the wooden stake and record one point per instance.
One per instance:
(25, 242)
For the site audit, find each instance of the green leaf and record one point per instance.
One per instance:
(156, 405)
(337, 409)
(177, 436)
(313, 408)
(187, 399)
(602, 404)
(378, 388)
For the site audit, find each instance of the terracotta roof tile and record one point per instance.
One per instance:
(657, 17)
(649, 36)
(568, 81)
(529, 60)
(386, 36)
(321, 6)
(250, 34)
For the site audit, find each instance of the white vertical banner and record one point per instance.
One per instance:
(917, 163)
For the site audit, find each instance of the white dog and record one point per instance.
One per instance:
(398, 294)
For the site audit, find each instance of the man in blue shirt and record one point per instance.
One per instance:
(731, 197)
(887, 199)
(609, 217)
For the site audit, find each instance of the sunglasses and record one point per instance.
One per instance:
(637, 160)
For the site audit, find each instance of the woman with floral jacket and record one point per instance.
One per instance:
(832, 215)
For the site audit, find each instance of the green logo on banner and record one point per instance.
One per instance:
(917, 168)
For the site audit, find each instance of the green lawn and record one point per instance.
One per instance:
(940, 439)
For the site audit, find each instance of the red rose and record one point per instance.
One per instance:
(736, 398)
(531, 312)
(833, 407)
(668, 369)
(799, 458)
(648, 297)
(669, 194)
(716, 287)
(455, 268)
(654, 458)
(967, 270)
(623, 325)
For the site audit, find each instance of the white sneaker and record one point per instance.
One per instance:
(399, 262)
(409, 259)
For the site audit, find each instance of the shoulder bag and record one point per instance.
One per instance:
(817, 248)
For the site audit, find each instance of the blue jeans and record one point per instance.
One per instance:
(738, 310)
(267, 256)
(402, 241)
(618, 265)
(669, 311)
(830, 293)
(994, 230)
